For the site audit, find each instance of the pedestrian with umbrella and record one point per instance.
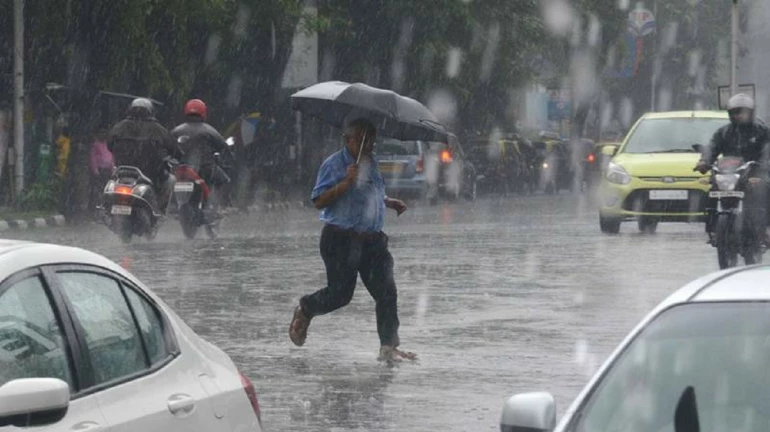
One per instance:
(350, 192)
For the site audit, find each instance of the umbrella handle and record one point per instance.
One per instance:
(361, 148)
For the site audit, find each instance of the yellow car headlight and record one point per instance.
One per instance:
(617, 174)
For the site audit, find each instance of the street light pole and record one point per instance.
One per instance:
(734, 50)
(18, 92)
(653, 76)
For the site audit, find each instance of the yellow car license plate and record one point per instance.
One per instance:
(668, 195)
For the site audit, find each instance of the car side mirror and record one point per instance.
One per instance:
(535, 412)
(33, 402)
(610, 150)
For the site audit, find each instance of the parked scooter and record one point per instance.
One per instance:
(130, 205)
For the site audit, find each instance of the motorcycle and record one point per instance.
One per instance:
(192, 196)
(129, 205)
(733, 228)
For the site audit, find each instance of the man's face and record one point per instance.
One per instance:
(354, 142)
(742, 116)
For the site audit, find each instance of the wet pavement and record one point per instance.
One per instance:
(496, 297)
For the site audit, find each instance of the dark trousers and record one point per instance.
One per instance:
(346, 255)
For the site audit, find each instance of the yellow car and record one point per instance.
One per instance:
(650, 177)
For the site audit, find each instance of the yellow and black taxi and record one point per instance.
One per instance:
(650, 177)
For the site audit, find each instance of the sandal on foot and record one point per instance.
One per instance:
(393, 354)
(298, 328)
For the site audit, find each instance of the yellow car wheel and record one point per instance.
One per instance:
(609, 225)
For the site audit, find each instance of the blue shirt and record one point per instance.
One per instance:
(362, 207)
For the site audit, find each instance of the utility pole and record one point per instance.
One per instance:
(18, 92)
(734, 50)
(654, 75)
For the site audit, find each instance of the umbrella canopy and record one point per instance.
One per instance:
(395, 116)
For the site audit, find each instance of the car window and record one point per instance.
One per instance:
(392, 147)
(676, 134)
(31, 342)
(112, 339)
(151, 327)
(720, 350)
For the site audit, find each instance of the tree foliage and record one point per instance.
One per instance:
(233, 52)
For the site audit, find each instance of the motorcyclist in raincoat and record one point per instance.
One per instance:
(745, 138)
(142, 142)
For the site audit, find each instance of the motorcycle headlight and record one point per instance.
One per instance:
(727, 182)
(617, 174)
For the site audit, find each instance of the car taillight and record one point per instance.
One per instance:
(420, 165)
(591, 158)
(248, 387)
(124, 190)
(446, 156)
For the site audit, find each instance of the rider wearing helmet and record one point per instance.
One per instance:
(141, 141)
(199, 141)
(744, 138)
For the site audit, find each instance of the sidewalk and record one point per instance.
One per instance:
(17, 221)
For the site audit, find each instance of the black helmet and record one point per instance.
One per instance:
(141, 107)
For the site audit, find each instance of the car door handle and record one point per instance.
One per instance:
(181, 404)
(88, 426)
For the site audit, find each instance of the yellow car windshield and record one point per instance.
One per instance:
(672, 135)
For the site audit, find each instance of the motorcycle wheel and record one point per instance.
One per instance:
(472, 190)
(124, 228)
(152, 229)
(726, 253)
(187, 220)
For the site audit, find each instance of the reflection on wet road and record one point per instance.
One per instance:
(496, 297)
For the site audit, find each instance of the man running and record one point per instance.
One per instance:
(350, 192)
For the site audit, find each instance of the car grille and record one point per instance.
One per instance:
(638, 201)
(668, 179)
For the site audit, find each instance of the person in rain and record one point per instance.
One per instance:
(199, 141)
(350, 191)
(63, 146)
(101, 165)
(142, 142)
(747, 139)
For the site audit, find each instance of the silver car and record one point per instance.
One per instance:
(85, 346)
(698, 362)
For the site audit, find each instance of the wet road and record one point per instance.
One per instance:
(496, 297)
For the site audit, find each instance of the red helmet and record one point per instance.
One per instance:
(195, 107)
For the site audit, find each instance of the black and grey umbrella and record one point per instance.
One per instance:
(394, 116)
